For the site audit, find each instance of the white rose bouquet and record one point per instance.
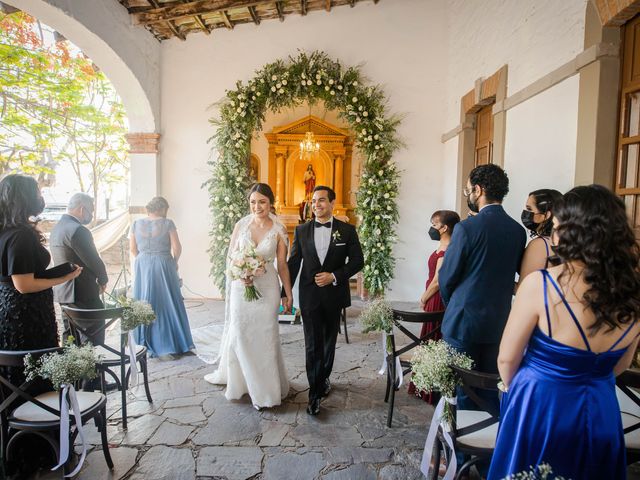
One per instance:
(245, 265)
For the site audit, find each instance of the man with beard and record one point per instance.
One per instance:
(72, 242)
(477, 276)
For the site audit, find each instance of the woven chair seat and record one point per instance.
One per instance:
(30, 412)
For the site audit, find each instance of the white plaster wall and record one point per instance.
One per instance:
(532, 39)
(128, 54)
(401, 44)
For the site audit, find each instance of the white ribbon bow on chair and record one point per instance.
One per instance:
(70, 392)
(383, 369)
(427, 453)
(133, 366)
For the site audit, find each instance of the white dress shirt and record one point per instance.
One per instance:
(322, 239)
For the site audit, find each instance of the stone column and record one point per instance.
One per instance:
(144, 171)
(338, 181)
(280, 177)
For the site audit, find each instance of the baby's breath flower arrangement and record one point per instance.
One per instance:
(539, 472)
(67, 367)
(309, 77)
(431, 366)
(376, 316)
(135, 313)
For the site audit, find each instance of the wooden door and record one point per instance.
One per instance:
(484, 136)
(628, 160)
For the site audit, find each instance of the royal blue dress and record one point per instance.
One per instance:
(561, 409)
(156, 281)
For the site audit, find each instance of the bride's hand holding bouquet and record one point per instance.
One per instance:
(245, 265)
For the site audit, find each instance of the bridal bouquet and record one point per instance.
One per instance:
(246, 264)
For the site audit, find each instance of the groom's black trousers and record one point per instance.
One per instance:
(321, 326)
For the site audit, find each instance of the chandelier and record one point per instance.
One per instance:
(309, 145)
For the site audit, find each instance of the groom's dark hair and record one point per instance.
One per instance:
(330, 193)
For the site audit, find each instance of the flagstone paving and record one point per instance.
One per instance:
(191, 432)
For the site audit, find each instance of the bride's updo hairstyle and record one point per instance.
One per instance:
(157, 205)
(593, 229)
(262, 189)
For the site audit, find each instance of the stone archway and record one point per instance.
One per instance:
(130, 59)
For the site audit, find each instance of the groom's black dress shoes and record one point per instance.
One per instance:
(313, 408)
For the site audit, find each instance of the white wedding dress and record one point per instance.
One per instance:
(250, 359)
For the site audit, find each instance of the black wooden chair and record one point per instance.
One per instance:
(343, 319)
(402, 313)
(22, 413)
(630, 411)
(474, 431)
(91, 324)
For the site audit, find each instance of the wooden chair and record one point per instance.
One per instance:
(21, 413)
(343, 319)
(474, 431)
(630, 411)
(90, 323)
(402, 313)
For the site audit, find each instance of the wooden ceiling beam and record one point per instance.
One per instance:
(172, 27)
(200, 22)
(280, 11)
(303, 7)
(254, 15)
(226, 20)
(328, 5)
(185, 10)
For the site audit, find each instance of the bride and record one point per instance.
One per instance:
(250, 354)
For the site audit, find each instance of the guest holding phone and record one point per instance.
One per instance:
(27, 318)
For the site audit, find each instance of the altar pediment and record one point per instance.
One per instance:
(309, 123)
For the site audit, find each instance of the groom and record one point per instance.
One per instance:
(332, 254)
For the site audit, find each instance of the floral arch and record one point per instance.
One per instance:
(286, 83)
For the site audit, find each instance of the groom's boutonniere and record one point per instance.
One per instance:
(336, 236)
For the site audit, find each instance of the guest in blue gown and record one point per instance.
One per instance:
(577, 326)
(155, 244)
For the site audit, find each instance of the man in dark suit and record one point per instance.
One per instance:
(72, 242)
(331, 254)
(478, 273)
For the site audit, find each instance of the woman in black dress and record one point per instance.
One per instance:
(27, 318)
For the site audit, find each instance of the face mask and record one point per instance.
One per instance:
(473, 206)
(38, 207)
(87, 216)
(527, 220)
(434, 234)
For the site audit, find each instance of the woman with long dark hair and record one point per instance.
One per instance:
(537, 217)
(572, 329)
(27, 318)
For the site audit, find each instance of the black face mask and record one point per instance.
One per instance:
(473, 206)
(434, 234)
(527, 220)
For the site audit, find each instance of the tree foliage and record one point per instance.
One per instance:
(56, 106)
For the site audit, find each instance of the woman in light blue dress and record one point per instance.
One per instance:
(156, 247)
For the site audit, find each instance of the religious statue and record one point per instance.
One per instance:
(309, 180)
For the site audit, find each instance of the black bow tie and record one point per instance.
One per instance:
(318, 224)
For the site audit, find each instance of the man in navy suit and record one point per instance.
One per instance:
(478, 273)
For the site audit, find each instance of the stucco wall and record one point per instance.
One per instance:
(401, 45)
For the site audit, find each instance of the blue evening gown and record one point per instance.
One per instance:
(561, 409)
(157, 282)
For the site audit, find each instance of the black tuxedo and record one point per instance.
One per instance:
(321, 306)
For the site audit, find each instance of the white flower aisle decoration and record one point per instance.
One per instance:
(135, 313)
(64, 370)
(284, 84)
(544, 471)
(431, 367)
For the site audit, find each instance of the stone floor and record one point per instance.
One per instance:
(191, 431)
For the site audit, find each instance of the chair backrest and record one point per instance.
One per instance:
(10, 392)
(91, 322)
(626, 381)
(474, 383)
(418, 317)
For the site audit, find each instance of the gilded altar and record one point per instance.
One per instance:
(289, 172)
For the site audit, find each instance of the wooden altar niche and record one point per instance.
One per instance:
(332, 165)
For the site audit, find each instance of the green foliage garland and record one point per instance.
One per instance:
(284, 84)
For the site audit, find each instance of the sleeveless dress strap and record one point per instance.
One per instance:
(573, 315)
(546, 300)
(623, 335)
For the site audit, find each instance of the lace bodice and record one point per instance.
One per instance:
(152, 235)
(268, 245)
